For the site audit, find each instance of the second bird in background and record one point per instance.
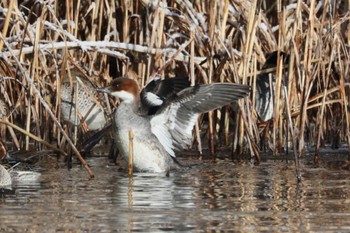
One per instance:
(80, 94)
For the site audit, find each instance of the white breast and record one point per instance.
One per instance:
(149, 154)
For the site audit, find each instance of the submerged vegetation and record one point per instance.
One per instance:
(208, 41)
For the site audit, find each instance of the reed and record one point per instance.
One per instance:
(208, 41)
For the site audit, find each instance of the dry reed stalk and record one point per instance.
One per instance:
(47, 108)
(75, 87)
(226, 127)
(228, 41)
(293, 136)
(254, 151)
(254, 118)
(13, 135)
(320, 118)
(193, 78)
(33, 73)
(296, 111)
(211, 128)
(306, 78)
(172, 58)
(36, 138)
(6, 23)
(211, 28)
(76, 18)
(278, 109)
(248, 48)
(104, 47)
(345, 103)
(277, 129)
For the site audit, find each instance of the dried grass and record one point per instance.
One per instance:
(209, 41)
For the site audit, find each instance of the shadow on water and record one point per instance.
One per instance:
(211, 196)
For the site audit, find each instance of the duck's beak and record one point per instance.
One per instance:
(104, 90)
(9, 157)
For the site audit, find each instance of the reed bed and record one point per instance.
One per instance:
(208, 41)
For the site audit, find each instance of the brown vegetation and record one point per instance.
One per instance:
(209, 41)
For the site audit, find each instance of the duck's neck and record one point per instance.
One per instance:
(133, 103)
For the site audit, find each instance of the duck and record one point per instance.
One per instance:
(162, 116)
(265, 87)
(89, 109)
(5, 177)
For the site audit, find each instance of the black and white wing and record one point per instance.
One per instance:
(174, 122)
(157, 91)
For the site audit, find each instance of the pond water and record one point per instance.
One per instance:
(239, 197)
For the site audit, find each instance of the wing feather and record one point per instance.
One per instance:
(174, 121)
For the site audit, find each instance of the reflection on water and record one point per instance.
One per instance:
(210, 196)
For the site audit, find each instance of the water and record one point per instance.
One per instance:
(209, 197)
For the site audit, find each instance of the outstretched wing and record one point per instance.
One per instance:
(174, 122)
